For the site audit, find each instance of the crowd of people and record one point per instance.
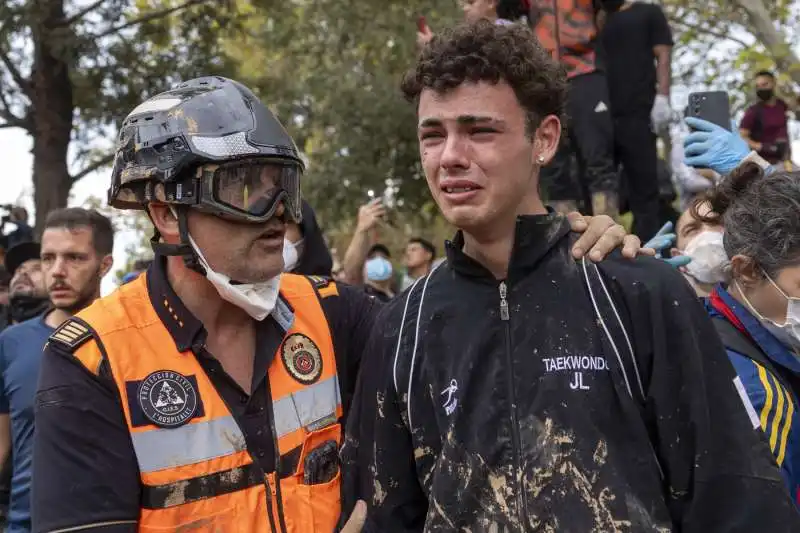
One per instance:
(540, 371)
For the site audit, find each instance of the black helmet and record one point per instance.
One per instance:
(209, 144)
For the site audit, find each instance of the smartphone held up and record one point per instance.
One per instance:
(713, 106)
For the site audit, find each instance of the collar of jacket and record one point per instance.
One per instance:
(534, 236)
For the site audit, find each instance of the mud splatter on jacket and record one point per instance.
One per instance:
(513, 414)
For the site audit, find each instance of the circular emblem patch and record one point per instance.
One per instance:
(302, 358)
(167, 398)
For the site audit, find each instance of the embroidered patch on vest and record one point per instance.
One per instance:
(71, 334)
(168, 399)
(302, 358)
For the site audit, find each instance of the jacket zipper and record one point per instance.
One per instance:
(505, 317)
(278, 497)
(203, 350)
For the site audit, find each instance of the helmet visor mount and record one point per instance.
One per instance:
(250, 190)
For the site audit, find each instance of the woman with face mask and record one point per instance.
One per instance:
(757, 313)
(379, 273)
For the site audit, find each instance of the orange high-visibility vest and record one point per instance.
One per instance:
(196, 472)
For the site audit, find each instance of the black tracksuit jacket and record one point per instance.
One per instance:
(514, 414)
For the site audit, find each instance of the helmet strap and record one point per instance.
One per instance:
(184, 248)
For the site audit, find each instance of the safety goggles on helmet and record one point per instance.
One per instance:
(250, 190)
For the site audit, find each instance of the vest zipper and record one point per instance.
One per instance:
(277, 450)
(505, 317)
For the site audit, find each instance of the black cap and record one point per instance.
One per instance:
(20, 253)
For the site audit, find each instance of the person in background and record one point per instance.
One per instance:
(75, 255)
(22, 232)
(304, 249)
(566, 28)
(370, 217)
(636, 44)
(689, 182)
(758, 313)
(378, 273)
(139, 266)
(419, 257)
(702, 242)
(27, 289)
(26, 298)
(474, 412)
(5, 281)
(765, 125)
(498, 11)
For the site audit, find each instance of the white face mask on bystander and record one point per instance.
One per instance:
(709, 261)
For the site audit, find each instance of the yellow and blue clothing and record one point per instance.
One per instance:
(775, 406)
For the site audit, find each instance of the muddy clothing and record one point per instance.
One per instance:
(512, 413)
(85, 410)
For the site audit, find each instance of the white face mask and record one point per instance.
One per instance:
(788, 332)
(709, 260)
(290, 255)
(256, 299)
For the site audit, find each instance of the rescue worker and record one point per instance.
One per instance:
(514, 389)
(207, 395)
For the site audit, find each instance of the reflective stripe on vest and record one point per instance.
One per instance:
(199, 476)
(307, 408)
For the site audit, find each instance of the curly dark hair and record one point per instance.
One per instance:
(760, 214)
(485, 51)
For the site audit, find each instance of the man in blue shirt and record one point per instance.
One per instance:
(75, 255)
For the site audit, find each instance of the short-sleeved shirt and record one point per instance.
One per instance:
(767, 124)
(76, 407)
(627, 43)
(20, 358)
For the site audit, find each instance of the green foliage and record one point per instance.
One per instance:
(717, 44)
(331, 70)
(128, 223)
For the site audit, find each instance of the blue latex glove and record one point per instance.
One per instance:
(663, 241)
(679, 261)
(710, 146)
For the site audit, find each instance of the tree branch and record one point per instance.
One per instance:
(91, 167)
(151, 16)
(12, 120)
(82, 13)
(705, 30)
(23, 84)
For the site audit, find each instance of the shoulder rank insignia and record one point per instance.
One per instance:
(71, 334)
(319, 282)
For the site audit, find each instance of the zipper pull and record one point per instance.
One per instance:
(503, 302)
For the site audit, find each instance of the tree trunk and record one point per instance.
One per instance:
(764, 29)
(52, 109)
